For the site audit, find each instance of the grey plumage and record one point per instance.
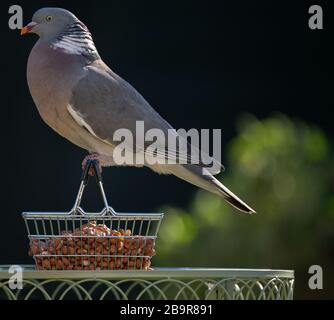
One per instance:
(84, 101)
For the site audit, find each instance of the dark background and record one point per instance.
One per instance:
(200, 64)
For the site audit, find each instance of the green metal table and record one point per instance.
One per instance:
(160, 283)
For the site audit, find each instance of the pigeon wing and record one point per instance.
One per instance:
(103, 103)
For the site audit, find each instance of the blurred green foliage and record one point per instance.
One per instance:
(282, 168)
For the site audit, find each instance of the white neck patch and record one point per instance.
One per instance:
(76, 39)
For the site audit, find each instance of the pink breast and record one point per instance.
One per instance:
(51, 73)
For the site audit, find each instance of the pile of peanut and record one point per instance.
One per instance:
(93, 247)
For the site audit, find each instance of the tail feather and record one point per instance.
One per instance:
(231, 198)
(194, 175)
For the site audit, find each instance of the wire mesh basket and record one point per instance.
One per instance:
(77, 240)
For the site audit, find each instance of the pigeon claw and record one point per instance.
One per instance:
(92, 156)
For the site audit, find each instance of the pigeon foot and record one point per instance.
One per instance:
(92, 156)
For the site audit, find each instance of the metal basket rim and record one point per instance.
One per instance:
(92, 215)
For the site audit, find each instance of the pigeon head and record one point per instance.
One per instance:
(48, 23)
(63, 31)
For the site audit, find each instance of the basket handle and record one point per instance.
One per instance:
(85, 172)
(91, 164)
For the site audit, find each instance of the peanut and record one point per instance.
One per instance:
(46, 263)
(112, 249)
(118, 262)
(138, 263)
(59, 264)
(146, 264)
(65, 251)
(112, 265)
(125, 260)
(53, 261)
(120, 246)
(66, 262)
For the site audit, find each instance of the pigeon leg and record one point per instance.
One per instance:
(92, 156)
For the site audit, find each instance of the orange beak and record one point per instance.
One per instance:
(28, 28)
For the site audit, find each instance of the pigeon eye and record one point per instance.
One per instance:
(48, 18)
